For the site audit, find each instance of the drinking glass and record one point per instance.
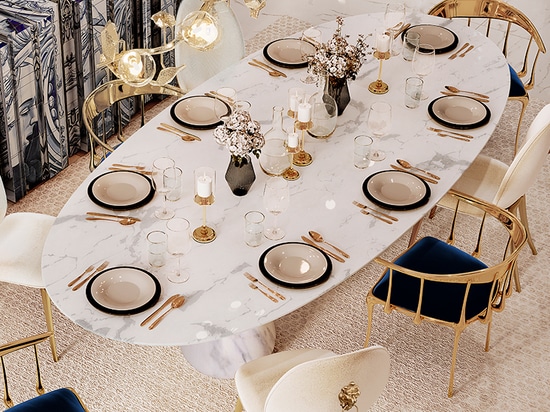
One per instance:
(179, 243)
(172, 182)
(423, 62)
(159, 166)
(394, 18)
(311, 36)
(379, 123)
(276, 200)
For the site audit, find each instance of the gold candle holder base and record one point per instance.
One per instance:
(302, 158)
(291, 174)
(378, 86)
(204, 234)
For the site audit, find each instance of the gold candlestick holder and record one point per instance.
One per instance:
(378, 86)
(302, 158)
(291, 173)
(204, 233)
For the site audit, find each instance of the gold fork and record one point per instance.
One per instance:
(253, 286)
(253, 279)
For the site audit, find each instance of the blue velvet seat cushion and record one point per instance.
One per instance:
(60, 400)
(516, 85)
(441, 300)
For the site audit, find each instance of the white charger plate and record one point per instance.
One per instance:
(199, 112)
(442, 39)
(459, 112)
(287, 52)
(393, 189)
(123, 290)
(121, 190)
(295, 265)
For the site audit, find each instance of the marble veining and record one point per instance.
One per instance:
(219, 301)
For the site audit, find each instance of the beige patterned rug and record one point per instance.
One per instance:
(113, 376)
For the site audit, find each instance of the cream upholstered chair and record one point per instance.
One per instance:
(22, 237)
(59, 400)
(505, 186)
(313, 380)
(522, 73)
(110, 94)
(434, 280)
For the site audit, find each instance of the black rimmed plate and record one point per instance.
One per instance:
(123, 290)
(199, 112)
(121, 190)
(442, 39)
(288, 52)
(295, 265)
(396, 190)
(459, 112)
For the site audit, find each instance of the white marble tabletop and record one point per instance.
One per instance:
(219, 301)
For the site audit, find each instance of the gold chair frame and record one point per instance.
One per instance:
(498, 10)
(499, 275)
(21, 344)
(107, 95)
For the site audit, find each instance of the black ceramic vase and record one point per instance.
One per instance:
(240, 175)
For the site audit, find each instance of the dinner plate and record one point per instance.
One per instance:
(459, 112)
(123, 290)
(442, 39)
(121, 190)
(287, 53)
(396, 190)
(199, 112)
(295, 265)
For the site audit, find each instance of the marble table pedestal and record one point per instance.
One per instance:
(221, 358)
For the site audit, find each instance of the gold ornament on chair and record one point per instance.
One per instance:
(348, 396)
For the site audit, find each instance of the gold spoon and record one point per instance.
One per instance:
(180, 135)
(407, 165)
(125, 221)
(176, 303)
(455, 90)
(319, 238)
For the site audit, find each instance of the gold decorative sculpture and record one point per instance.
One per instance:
(348, 396)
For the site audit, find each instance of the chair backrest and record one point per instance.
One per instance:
(498, 10)
(322, 384)
(105, 96)
(527, 163)
(476, 292)
(64, 399)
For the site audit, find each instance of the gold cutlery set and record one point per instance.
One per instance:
(175, 301)
(212, 93)
(254, 285)
(461, 52)
(123, 220)
(318, 238)
(87, 275)
(186, 136)
(272, 71)
(367, 210)
(449, 133)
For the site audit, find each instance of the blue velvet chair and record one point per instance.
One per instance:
(59, 400)
(522, 73)
(434, 280)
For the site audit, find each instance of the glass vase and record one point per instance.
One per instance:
(324, 111)
(240, 175)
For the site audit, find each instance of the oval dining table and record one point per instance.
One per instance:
(223, 321)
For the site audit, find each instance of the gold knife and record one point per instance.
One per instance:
(435, 129)
(401, 30)
(425, 178)
(328, 252)
(116, 216)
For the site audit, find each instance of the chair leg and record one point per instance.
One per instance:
(453, 362)
(370, 309)
(488, 337)
(238, 405)
(49, 321)
(524, 100)
(414, 232)
(522, 207)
